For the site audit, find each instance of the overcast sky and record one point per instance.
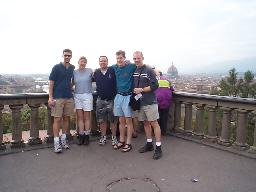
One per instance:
(190, 33)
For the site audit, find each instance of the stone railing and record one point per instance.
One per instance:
(16, 102)
(195, 106)
(34, 101)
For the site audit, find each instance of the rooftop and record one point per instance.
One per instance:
(185, 166)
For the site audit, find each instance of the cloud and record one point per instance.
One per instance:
(190, 33)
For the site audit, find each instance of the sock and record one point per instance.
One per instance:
(87, 132)
(56, 139)
(81, 133)
(149, 140)
(63, 137)
(104, 136)
(158, 144)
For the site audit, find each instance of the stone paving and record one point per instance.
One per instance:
(185, 167)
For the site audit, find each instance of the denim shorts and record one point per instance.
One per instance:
(121, 106)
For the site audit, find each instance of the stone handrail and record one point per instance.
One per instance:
(16, 103)
(200, 102)
(229, 105)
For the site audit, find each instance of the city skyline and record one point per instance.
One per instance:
(192, 34)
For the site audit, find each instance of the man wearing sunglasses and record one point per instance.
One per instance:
(61, 99)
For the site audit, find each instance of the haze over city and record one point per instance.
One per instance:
(194, 35)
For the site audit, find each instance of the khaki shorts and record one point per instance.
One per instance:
(148, 113)
(135, 114)
(63, 107)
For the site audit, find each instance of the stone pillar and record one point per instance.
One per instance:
(17, 141)
(170, 120)
(34, 126)
(253, 148)
(199, 132)
(2, 145)
(241, 132)
(225, 130)
(49, 137)
(177, 115)
(188, 118)
(212, 133)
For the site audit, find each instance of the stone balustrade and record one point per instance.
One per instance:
(201, 104)
(194, 105)
(16, 102)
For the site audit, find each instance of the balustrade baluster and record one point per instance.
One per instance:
(241, 132)
(2, 145)
(17, 141)
(170, 119)
(199, 121)
(212, 132)
(253, 148)
(188, 118)
(177, 115)
(226, 126)
(34, 127)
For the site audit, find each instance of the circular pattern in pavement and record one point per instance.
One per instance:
(133, 185)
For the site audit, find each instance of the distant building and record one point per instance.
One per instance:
(172, 72)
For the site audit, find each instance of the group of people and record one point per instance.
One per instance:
(115, 85)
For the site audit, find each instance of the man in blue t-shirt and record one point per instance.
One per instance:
(61, 99)
(124, 81)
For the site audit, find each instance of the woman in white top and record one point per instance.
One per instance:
(83, 99)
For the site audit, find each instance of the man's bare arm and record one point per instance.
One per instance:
(50, 100)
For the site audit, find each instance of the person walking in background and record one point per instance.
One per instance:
(61, 99)
(106, 90)
(145, 84)
(164, 100)
(83, 100)
(124, 81)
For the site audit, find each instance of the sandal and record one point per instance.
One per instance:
(119, 145)
(127, 148)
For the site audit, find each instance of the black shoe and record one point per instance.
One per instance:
(158, 153)
(148, 147)
(86, 140)
(163, 132)
(81, 139)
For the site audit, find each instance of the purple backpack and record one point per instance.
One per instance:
(164, 97)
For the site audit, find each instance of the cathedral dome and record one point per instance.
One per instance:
(172, 71)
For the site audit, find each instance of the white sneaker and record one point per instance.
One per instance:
(103, 140)
(64, 144)
(114, 140)
(57, 147)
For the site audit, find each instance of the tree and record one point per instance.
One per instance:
(230, 86)
(248, 87)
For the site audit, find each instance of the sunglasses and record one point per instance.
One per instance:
(67, 55)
